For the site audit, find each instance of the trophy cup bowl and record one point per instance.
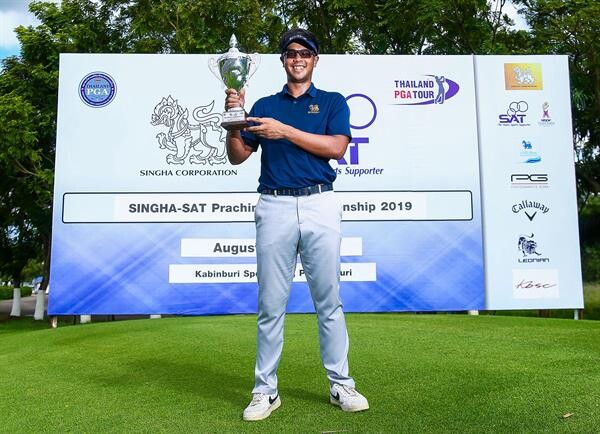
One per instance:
(233, 69)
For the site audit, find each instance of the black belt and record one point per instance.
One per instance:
(305, 191)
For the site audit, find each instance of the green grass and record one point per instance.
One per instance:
(421, 373)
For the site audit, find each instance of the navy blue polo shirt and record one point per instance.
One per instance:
(285, 165)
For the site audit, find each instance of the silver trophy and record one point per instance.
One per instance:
(234, 69)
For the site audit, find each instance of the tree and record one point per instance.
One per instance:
(571, 28)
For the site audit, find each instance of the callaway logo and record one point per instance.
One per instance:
(530, 217)
(530, 208)
(272, 400)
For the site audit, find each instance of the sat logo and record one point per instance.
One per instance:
(515, 114)
(353, 148)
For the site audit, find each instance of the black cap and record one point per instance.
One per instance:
(302, 37)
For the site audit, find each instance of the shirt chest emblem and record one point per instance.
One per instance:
(314, 109)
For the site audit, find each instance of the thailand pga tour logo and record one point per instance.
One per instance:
(97, 89)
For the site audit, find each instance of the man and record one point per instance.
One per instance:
(299, 129)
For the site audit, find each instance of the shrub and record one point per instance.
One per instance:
(6, 292)
(590, 262)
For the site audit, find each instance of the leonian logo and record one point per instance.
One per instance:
(528, 247)
(97, 89)
(197, 143)
(528, 154)
(523, 76)
(435, 89)
(515, 115)
(527, 180)
(546, 119)
(530, 208)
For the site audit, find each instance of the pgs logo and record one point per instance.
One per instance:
(523, 76)
(431, 89)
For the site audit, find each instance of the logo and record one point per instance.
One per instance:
(534, 284)
(530, 208)
(523, 76)
(435, 89)
(97, 89)
(546, 119)
(528, 155)
(529, 248)
(313, 109)
(363, 113)
(525, 180)
(515, 115)
(197, 143)
(272, 400)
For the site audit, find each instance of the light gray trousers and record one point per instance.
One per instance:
(285, 227)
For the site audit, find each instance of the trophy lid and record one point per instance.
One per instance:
(233, 52)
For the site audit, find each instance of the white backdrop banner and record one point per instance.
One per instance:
(149, 216)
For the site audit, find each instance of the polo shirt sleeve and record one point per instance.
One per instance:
(338, 121)
(250, 139)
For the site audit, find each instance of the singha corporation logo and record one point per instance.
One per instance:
(197, 143)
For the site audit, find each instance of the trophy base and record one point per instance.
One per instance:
(234, 120)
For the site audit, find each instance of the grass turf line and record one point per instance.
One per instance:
(421, 373)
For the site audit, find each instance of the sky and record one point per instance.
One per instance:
(14, 13)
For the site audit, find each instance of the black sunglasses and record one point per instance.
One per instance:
(292, 54)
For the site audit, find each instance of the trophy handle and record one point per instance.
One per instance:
(213, 65)
(254, 64)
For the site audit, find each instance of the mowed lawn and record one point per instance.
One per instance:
(421, 373)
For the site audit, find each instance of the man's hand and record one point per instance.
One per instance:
(268, 128)
(235, 98)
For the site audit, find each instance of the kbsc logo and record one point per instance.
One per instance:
(515, 115)
(535, 284)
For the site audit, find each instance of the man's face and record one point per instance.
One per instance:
(297, 68)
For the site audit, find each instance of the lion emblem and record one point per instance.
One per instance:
(197, 143)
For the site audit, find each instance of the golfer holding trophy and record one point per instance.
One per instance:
(299, 129)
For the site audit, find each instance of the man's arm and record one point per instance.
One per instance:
(237, 150)
(321, 145)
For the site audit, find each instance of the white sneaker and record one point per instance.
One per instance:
(347, 398)
(261, 406)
